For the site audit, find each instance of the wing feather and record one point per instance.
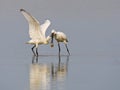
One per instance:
(45, 26)
(34, 25)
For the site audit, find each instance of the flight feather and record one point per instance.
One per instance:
(34, 25)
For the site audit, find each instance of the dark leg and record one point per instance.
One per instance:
(33, 50)
(59, 48)
(37, 52)
(67, 49)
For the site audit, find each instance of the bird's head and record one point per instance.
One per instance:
(53, 31)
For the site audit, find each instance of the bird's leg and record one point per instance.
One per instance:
(37, 52)
(59, 48)
(67, 49)
(33, 50)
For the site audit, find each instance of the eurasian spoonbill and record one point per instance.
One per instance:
(36, 31)
(60, 37)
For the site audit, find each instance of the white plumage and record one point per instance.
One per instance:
(36, 31)
(59, 37)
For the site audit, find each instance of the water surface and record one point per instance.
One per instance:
(61, 73)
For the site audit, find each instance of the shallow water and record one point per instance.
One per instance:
(61, 73)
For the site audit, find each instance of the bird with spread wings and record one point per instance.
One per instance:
(36, 31)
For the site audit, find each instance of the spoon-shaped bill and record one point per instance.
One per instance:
(52, 35)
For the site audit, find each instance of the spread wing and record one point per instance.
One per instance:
(45, 26)
(34, 26)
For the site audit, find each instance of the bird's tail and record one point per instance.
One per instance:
(27, 43)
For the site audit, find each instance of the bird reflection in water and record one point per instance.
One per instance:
(48, 76)
(59, 73)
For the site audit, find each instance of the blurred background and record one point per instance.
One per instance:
(92, 26)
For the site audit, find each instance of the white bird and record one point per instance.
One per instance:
(36, 31)
(60, 37)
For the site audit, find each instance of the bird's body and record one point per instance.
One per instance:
(59, 37)
(36, 31)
